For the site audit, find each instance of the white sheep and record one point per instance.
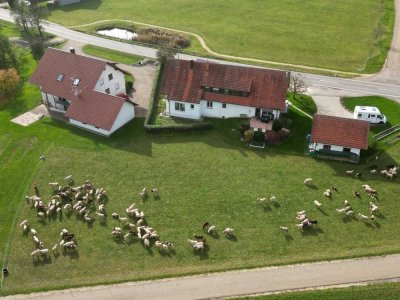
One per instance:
(373, 207)
(54, 249)
(364, 217)
(101, 216)
(143, 193)
(33, 231)
(146, 242)
(102, 208)
(272, 199)
(308, 182)
(54, 185)
(301, 217)
(228, 231)
(24, 225)
(124, 219)
(284, 229)
(154, 191)
(87, 218)
(40, 214)
(346, 202)
(317, 203)
(68, 179)
(211, 229)
(341, 210)
(303, 212)
(36, 239)
(63, 232)
(374, 171)
(328, 193)
(349, 172)
(261, 200)
(350, 213)
(68, 207)
(35, 253)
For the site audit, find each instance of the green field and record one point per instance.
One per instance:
(322, 33)
(112, 55)
(387, 291)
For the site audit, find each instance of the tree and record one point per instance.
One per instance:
(298, 85)
(8, 81)
(164, 53)
(20, 12)
(37, 48)
(11, 3)
(7, 55)
(37, 14)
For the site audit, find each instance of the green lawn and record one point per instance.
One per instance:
(313, 33)
(387, 291)
(202, 176)
(112, 55)
(304, 102)
(8, 29)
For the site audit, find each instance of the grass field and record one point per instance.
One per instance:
(202, 176)
(313, 33)
(388, 291)
(112, 55)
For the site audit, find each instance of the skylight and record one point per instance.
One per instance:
(76, 82)
(60, 77)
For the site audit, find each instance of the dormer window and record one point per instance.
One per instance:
(76, 82)
(60, 77)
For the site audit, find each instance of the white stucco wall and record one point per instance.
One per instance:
(189, 113)
(118, 77)
(126, 114)
(319, 146)
(231, 110)
(50, 101)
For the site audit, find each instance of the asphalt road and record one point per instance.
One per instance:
(245, 282)
(361, 86)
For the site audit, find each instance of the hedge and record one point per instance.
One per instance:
(151, 114)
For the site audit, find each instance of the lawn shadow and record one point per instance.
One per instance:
(347, 219)
(276, 204)
(43, 261)
(149, 250)
(266, 208)
(368, 224)
(377, 225)
(202, 254)
(379, 215)
(288, 237)
(214, 235)
(322, 211)
(156, 197)
(73, 254)
(313, 187)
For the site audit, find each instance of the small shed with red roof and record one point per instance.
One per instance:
(196, 89)
(89, 92)
(338, 138)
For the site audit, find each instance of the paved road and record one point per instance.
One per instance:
(362, 86)
(245, 282)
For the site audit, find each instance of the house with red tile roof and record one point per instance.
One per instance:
(196, 89)
(338, 138)
(89, 92)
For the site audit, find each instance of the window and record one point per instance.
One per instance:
(359, 115)
(60, 77)
(179, 106)
(215, 90)
(226, 92)
(101, 81)
(327, 147)
(110, 76)
(372, 116)
(76, 82)
(209, 104)
(107, 91)
(379, 117)
(117, 86)
(223, 105)
(346, 149)
(206, 89)
(191, 106)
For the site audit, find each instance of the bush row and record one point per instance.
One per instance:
(162, 38)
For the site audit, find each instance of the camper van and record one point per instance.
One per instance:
(369, 113)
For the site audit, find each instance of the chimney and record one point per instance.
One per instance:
(72, 50)
(191, 64)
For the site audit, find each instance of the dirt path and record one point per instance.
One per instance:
(220, 55)
(390, 72)
(245, 282)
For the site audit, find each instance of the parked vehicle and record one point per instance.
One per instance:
(369, 113)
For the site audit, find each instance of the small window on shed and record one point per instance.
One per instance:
(327, 147)
(223, 105)
(359, 115)
(191, 106)
(60, 77)
(110, 76)
(346, 149)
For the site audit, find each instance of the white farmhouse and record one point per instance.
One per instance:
(338, 138)
(196, 89)
(89, 92)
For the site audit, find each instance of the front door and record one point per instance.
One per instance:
(258, 112)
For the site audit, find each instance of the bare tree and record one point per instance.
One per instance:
(37, 14)
(20, 12)
(298, 85)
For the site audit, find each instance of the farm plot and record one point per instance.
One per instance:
(200, 178)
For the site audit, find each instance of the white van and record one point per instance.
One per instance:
(369, 113)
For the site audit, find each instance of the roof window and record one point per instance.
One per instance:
(76, 82)
(60, 77)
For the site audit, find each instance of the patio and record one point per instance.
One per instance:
(257, 125)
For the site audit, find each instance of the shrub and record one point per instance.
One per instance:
(259, 137)
(283, 134)
(277, 125)
(245, 125)
(8, 82)
(271, 137)
(156, 36)
(248, 135)
(129, 87)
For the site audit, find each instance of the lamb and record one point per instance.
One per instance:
(128, 236)
(115, 215)
(199, 246)
(389, 175)
(143, 193)
(116, 232)
(124, 219)
(374, 171)
(308, 182)
(24, 225)
(348, 207)
(102, 208)
(328, 193)
(350, 213)
(40, 214)
(211, 229)
(228, 231)
(284, 229)
(317, 203)
(54, 185)
(32, 198)
(261, 200)
(33, 231)
(68, 179)
(365, 218)
(272, 199)
(349, 172)
(373, 207)
(101, 216)
(158, 244)
(154, 191)
(35, 253)
(87, 218)
(301, 217)
(68, 207)
(54, 249)
(43, 251)
(359, 174)
(36, 239)
(341, 210)
(146, 242)
(303, 212)
(82, 211)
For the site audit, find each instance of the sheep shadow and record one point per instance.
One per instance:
(56, 254)
(266, 208)
(149, 250)
(156, 197)
(202, 254)
(214, 235)
(60, 217)
(377, 225)
(73, 254)
(231, 238)
(379, 215)
(25, 233)
(42, 261)
(42, 222)
(313, 231)
(169, 253)
(103, 223)
(276, 205)
(347, 219)
(119, 240)
(369, 225)
(89, 225)
(288, 237)
(322, 211)
(312, 186)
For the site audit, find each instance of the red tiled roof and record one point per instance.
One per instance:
(340, 131)
(267, 88)
(87, 106)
